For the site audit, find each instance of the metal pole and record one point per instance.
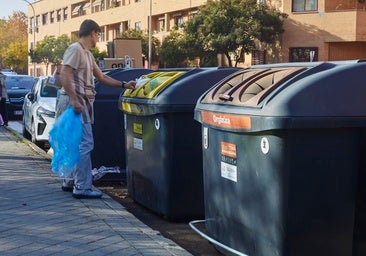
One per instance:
(34, 34)
(150, 35)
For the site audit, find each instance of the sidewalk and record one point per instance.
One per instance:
(38, 218)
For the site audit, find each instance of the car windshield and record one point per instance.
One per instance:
(48, 91)
(21, 82)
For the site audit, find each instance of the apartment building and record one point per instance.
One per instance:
(315, 30)
(50, 17)
(324, 30)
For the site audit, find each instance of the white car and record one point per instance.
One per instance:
(39, 112)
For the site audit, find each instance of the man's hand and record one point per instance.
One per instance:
(77, 106)
(130, 85)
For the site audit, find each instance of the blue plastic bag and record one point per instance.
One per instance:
(65, 138)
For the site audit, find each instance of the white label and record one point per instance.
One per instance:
(137, 143)
(229, 171)
(205, 137)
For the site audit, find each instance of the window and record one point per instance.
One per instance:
(117, 31)
(45, 19)
(125, 25)
(178, 21)
(65, 13)
(161, 24)
(31, 26)
(38, 20)
(76, 10)
(52, 17)
(304, 5)
(303, 54)
(58, 15)
(86, 8)
(258, 57)
(138, 25)
(113, 3)
(102, 35)
(98, 5)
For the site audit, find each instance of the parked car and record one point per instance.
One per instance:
(17, 87)
(39, 112)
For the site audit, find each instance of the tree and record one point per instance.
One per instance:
(172, 52)
(15, 56)
(13, 42)
(50, 50)
(98, 55)
(232, 27)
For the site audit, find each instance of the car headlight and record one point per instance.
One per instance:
(46, 112)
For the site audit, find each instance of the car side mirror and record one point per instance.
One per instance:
(30, 96)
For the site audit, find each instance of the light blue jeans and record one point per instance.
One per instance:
(83, 178)
(82, 175)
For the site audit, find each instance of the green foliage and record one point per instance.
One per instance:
(50, 50)
(15, 55)
(172, 52)
(98, 55)
(232, 27)
(13, 42)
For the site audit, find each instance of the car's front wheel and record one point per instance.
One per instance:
(25, 132)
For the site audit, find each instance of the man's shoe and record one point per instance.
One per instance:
(67, 185)
(67, 189)
(86, 193)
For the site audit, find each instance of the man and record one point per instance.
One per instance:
(77, 71)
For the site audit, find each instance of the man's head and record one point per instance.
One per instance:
(88, 27)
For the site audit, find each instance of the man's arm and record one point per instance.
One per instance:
(104, 79)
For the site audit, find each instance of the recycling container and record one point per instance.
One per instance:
(109, 138)
(163, 149)
(282, 149)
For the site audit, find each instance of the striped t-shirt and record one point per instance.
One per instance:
(83, 63)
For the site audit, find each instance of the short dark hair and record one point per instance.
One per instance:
(87, 27)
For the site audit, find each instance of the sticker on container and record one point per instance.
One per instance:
(228, 161)
(229, 171)
(228, 149)
(137, 128)
(264, 145)
(205, 138)
(137, 144)
(157, 124)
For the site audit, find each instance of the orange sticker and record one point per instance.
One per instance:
(228, 149)
(226, 120)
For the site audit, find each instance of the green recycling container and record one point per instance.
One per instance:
(282, 160)
(109, 138)
(163, 148)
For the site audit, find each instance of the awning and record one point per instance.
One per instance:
(76, 9)
(97, 2)
(86, 6)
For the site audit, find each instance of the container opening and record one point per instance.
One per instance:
(261, 84)
(223, 91)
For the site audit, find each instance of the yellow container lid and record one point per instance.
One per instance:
(153, 84)
(140, 82)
